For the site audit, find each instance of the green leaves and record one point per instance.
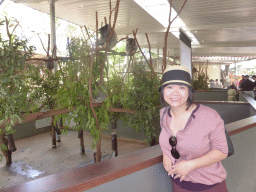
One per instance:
(13, 80)
(3, 147)
(144, 98)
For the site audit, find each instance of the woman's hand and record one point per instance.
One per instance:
(167, 165)
(182, 168)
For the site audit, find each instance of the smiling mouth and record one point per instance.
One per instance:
(175, 99)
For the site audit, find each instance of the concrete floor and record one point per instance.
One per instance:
(36, 158)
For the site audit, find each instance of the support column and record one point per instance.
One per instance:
(53, 32)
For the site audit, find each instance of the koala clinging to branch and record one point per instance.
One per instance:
(131, 46)
(104, 32)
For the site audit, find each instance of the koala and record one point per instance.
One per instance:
(131, 46)
(104, 31)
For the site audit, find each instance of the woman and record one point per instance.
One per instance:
(192, 138)
(232, 93)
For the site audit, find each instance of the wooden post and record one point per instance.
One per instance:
(7, 153)
(114, 140)
(11, 144)
(81, 137)
(114, 144)
(54, 145)
(57, 130)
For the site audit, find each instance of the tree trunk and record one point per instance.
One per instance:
(98, 148)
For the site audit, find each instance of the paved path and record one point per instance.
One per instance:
(36, 158)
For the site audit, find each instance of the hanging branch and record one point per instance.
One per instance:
(105, 19)
(7, 29)
(135, 38)
(90, 91)
(109, 36)
(97, 47)
(110, 13)
(149, 48)
(167, 32)
(87, 32)
(98, 145)
(116, 13)
(48, 48)
(122, 39)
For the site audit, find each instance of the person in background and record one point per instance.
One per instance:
(232, 93)
(192, 136)
(247, 86)
(212, 83)
(240, 82)
(254, 78)
(216, 82)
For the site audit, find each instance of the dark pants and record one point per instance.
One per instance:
(221, 187)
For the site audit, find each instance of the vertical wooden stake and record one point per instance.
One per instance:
(8, 153)
(54, 145)
(81, 137)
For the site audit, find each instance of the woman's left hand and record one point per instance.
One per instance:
(182, 168)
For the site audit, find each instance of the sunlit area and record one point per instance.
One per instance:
(160, 11)
(35, 26)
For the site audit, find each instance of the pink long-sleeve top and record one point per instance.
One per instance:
(203, 132)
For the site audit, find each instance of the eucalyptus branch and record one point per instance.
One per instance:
(7, 29)
(166, 38)
(149, 48)
(122, 39)
(167, 32)
(90, 91)
(116, 13)
(135, 38)
(110, 12)
(48, 48)
(89, 36)
(109, 36)
(42, 44)
(15, 28)
(105, 19)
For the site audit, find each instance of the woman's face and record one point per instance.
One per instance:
(176, 95)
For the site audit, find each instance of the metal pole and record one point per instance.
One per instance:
(53, 32)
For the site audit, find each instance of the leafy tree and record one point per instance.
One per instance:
(144, 98)
(75, 90)
(14, 81)
(200, 83)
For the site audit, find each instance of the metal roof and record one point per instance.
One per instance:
(223, 27)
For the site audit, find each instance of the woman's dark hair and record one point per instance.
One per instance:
(190, 100)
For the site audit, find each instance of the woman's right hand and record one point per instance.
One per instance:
(167, 164)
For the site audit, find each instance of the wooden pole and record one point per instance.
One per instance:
(81, 137)
(54, 145)
(7, 153)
